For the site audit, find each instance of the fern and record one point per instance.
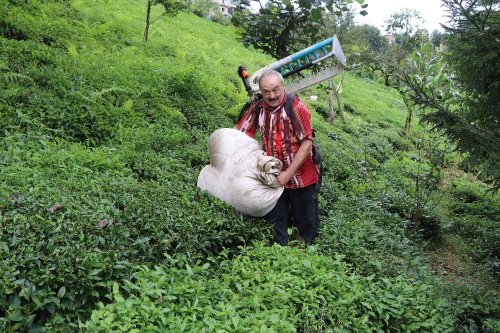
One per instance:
(106, 91)
(13, 77)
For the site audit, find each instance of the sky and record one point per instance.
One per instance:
(381, 10)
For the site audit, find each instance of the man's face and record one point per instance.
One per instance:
(272, 90)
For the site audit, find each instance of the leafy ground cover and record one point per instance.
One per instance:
(270, 289)
(102, 138)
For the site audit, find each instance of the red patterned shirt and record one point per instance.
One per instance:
(281, 138)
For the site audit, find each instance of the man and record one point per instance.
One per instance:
(289, 140)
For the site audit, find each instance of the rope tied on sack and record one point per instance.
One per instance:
(268, 169)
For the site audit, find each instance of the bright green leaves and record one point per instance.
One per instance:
(284, 27)
(296, 290)
(61, 292)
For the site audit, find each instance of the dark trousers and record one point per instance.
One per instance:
(301, 207)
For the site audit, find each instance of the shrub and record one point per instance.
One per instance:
(57, 264)
(373, 240)
(474, 216)
(296, 290)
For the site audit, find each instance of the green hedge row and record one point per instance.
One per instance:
(117, 209)
(269, 289)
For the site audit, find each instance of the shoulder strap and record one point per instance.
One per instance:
(243, 110)
(290, 113)
(258, 108)
(289, 106)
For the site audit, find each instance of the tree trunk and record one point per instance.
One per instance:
(148, 16)
(410, 108)
(330, 101)
(282, 45)
(386, 80)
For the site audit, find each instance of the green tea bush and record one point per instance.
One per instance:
(373, 240)
(102, 136)
(475, 216)
(404, 185)
(474, 307)
(83, 94)
(36, 21)
(268, 289)
(354, 148)
(57, 264)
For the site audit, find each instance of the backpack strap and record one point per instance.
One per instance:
(243, 110)
(290, 113)
(258, 108)
(289, 106)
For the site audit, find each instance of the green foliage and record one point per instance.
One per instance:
(102, 137)
(432, 85)
(474, 216)
(112, 215)
(170, 8)
(114, 132)
(459, 88)
(363, 44)
(474, 307)
(404, 186)
(203, 8)
(281, 28)
(405, 22)
(373, 240)
(436, 38)
(296, 290)
(208, 9)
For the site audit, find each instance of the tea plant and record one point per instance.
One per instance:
(102, 137)
(296, 290)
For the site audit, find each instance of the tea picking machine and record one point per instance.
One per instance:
(308, 58)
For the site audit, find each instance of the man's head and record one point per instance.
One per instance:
(272, 87)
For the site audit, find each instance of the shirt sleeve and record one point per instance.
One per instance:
(303, 120)
(247, 123)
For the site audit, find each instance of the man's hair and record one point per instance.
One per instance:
(271, 72)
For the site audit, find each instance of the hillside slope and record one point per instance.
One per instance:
(102, 139)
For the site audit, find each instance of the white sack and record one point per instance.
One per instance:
(240, 173)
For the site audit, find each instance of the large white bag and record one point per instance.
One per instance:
(240, 173)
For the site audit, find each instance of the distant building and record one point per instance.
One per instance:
(390, 38)
(226, 6)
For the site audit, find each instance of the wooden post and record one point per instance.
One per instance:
(330, 101)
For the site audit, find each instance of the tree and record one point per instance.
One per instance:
(364, 46)
(171, 8)
(459, 90)
(203, 8)
(403, 25)
(405, 22)
(385, 58)
(282, 27)
(436, 37)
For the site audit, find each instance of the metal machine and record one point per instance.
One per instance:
(308, 58)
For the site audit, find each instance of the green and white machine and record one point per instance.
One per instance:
(314, 55)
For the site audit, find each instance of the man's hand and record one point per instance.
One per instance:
(283, 178)
(301, 156)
